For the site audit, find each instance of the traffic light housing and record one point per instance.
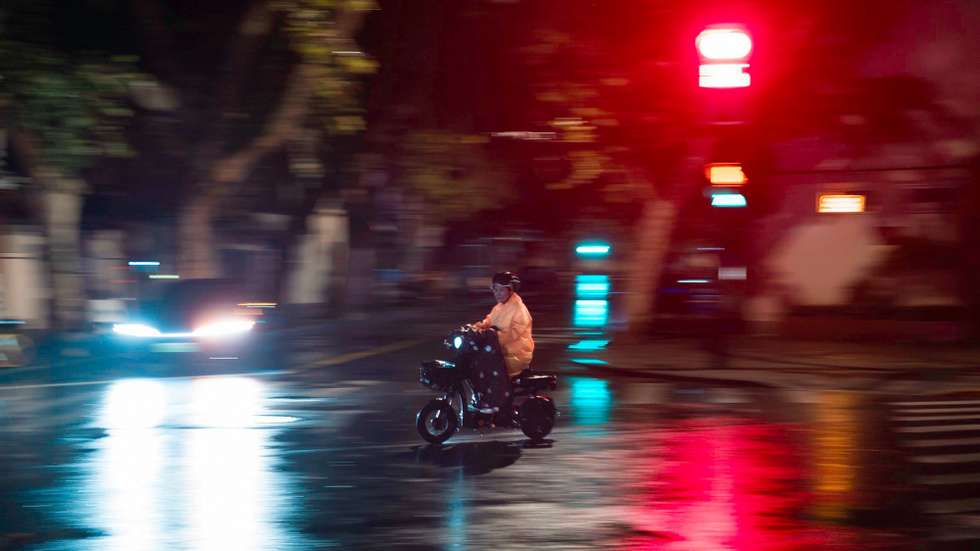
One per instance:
(725, 181)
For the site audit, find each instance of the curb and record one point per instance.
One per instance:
(797, 380)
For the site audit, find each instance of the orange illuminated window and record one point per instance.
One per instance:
(828, 203)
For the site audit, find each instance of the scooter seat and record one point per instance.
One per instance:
(536, 380)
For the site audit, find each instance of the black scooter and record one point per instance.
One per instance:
(527, 409)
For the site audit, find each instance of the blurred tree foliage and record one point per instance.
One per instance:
(454, 173)
(616, 109)
(64, 107)
(73, 105)
(287, 82)
(224, 87)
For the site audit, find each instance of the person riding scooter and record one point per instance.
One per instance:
(512, 322)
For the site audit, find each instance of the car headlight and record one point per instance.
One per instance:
(135, 330)
(224, 328)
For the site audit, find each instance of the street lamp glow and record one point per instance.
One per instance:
(724, 44)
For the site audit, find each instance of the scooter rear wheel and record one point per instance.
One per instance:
(537, 417)
(436, 422)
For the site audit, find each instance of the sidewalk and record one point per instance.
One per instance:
(793, 363)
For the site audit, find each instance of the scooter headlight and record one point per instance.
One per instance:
(458, 342)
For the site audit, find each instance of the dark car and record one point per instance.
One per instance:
(208, 319)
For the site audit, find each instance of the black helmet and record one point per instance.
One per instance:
(507, 279)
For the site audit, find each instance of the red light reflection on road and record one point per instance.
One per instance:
(723, 483)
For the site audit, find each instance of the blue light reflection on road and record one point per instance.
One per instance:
(591, 401)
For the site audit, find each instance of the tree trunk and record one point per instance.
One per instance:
(195, 234)
(63, 225)
(58, 207)
(197, 258)
(650, 248)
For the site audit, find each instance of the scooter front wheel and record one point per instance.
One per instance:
(436, 422)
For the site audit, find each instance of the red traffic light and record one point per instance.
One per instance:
(724, 51)
(724, 75)
(724, 43)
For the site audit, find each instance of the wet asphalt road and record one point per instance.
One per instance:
(318, 450)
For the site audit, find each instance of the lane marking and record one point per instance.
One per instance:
(345, 358)
(952, 506)
(939, 410)
(949, 428)
(938, 418)
(943, 443)
(947, 458)
(939, 403)
(944, 479)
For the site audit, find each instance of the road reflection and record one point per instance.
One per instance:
(456, 520)
(185, 463)
(835, 454)
(475, 458)
(206, 464)
(229, 485)
(135, 404)
(128, 489)
(590, 319)
(728, 483)
(591, 401)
